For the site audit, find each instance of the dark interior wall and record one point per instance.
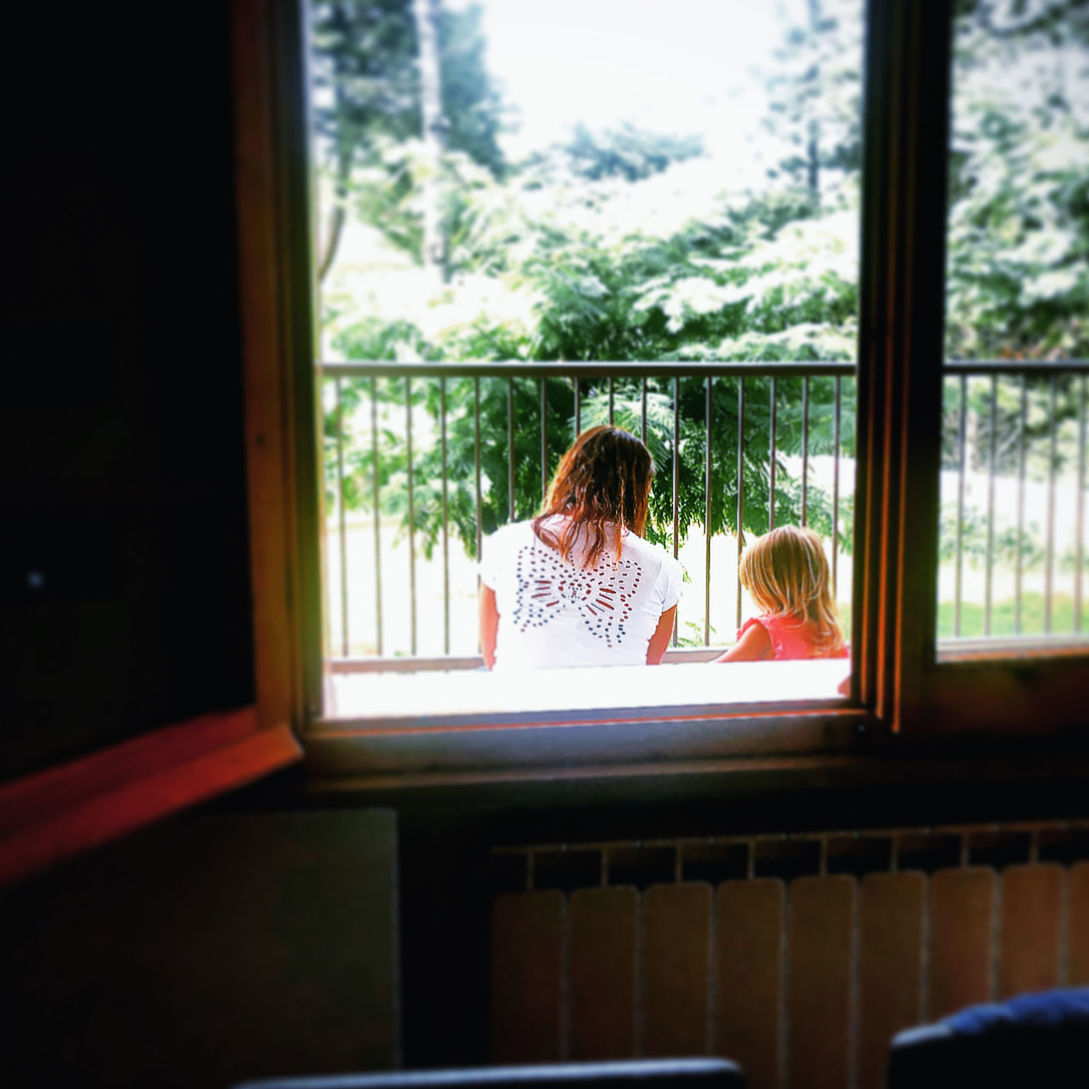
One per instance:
(125, 587)
(213, 948)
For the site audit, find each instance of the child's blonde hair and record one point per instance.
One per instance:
(787, 574)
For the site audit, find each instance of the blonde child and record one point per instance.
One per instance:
(787, 574)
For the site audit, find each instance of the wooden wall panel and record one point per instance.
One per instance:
(748, 971)
(819, 941)
(603, 961)
(891, 916)
(961, 917)
(676, 968)
(1029, 943)
(1077, 966)
(527, 976)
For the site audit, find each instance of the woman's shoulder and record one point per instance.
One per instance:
(510, 531)
(647, 550)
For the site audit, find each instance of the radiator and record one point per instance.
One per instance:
(797, 956)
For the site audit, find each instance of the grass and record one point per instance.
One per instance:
(1003, 614)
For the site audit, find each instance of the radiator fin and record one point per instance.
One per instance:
(748, 967)
(1031, 936)
(819, 937)
(891, 931)
(527, 976)
(676, 968)
(1078, 924)
(961, 938)
(603, 983)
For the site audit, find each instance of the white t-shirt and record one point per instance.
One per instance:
(554, 614)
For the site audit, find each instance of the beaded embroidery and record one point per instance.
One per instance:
(545, 586)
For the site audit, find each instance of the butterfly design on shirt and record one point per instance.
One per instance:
(546, 587)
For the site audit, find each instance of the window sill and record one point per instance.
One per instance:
(407, 730)
(1013, 648)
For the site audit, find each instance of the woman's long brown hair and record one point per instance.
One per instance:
(787, 574)
(602, 481)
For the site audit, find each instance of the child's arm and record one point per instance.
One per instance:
(753, 646)
(656, 648)
(489, 624)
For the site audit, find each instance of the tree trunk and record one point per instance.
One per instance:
(336, 218)
(346, 141)
(433, 133)
(813, 144)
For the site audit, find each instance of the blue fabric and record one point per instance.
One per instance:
(1032, 1041)
(1065, 1009)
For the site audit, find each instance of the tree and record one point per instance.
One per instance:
(433, 129)
(367, 103)
(815, 99)
(627, 152)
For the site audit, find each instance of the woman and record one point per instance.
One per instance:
(578, 585)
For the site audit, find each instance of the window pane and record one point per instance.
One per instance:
(1012, 547)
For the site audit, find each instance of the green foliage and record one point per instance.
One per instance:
(367, 107)
(627, 152)
(1004, 615)
(580, 253)
(1019, 216)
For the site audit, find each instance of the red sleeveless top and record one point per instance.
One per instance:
(790, 638)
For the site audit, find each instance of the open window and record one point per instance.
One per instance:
(507, 256)
(443, 435)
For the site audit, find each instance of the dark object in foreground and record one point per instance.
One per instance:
(635, 1074)
(1033, 1040)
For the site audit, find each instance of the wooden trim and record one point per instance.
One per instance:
(266, 378)
(900, 350)
(275, 295)
(60, 812)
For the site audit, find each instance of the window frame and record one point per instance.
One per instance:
(899, 689)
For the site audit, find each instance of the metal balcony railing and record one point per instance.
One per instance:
(1013, 498)
(423, 459)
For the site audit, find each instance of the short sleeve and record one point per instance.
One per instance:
(671, 580)
(490, 552)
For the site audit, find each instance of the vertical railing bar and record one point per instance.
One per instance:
(1079, 518)
(1052, 456)
(578, 407)
(411, 516)
(379, 641)
(544, 438)
(510, 449)
(612, 396)
(707, 522)
(445, 523)
(643, 424)
(992, 454)
(342, 526)
(835, 484)
(771, 459)
(805, 450)
(476, 458)
(740, 483)
(962, 472)
(1019, 561)
(676, 479)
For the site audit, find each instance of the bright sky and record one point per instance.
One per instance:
(678, 66)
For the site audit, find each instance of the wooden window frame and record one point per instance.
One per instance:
(900, 692)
